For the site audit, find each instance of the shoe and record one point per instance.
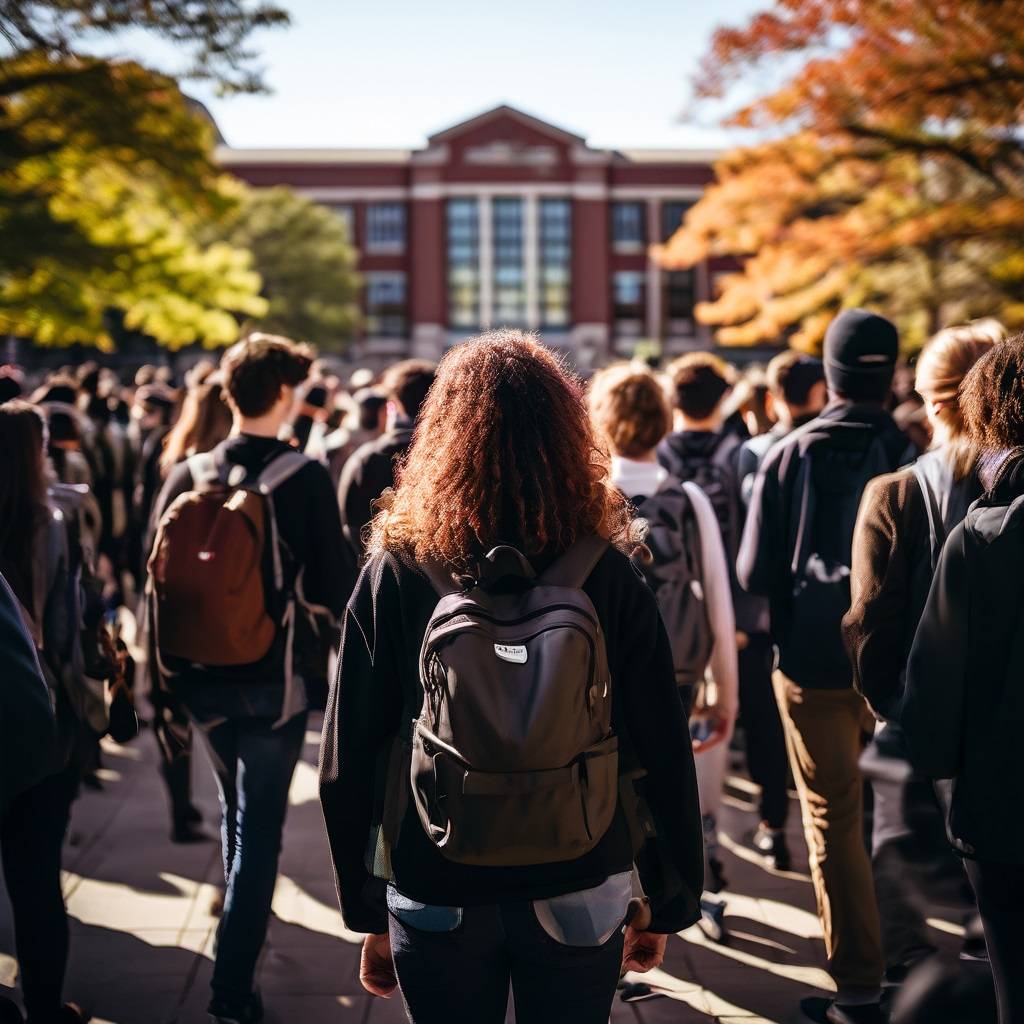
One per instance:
(186, 833)
(771, 844)
(223, 1012)
(712, 920)
(816, 1010)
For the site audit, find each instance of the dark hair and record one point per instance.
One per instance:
(407, 383)
(503, 453)
(791, 375)
(369, 403)
(628, 407)
(992, 396)
(23, 504)
(700, 381)
(204, 422)
(256, 368)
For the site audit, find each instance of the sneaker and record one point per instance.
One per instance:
(771, 844)
(712, 920)
(223, 1012)
(816, 1010)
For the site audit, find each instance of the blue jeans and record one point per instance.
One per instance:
(254, 764)
(462, 974)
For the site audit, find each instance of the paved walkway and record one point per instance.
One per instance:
(142, 932)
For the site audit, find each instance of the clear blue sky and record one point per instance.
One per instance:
(390, 72)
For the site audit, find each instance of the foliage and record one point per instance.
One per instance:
(895, 178)
(214, 32)
(307, 265)
(105, 176)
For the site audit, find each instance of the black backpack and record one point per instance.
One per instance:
(946, 500)
(833, 471)
(514, 761)
(717, 478)
(676, 575)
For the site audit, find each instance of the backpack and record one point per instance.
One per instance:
(832, 474)
(946, 500)
(209, 601)
(675, 575)
(716, 477)
(513, 760)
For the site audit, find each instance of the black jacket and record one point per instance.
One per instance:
(369, 471)
(775, 523)
(378, 688)
(963, 708)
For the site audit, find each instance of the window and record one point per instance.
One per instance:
(385, 305)
(628, 295)
(555, 252)
(509, 268)
(463, 263)
(628, 226)
(385, 227)
(345, 213)
(672, 215)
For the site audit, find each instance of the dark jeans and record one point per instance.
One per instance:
(254, 764)
(463, 976)
(767, 759)
(31, 837)
(1000, 892)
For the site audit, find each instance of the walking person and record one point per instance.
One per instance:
(497, 823)
(797, 551)
(248, 540)
(904, 520)
(961, 710)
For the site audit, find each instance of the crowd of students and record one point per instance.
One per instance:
(534, 611)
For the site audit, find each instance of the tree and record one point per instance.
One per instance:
(105, 177)
(895, 177)
(214, 32)
(302, 253)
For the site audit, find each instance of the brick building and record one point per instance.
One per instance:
(507, 220)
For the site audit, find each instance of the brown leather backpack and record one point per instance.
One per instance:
(206, 568)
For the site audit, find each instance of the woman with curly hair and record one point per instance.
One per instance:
(503, 457)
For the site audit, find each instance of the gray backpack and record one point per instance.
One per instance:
(513, 758)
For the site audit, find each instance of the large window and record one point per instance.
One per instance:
(680, 285)
(555, 253)
(385, 227)
(628, 226)
(463, 263)
(385, 304)
(628, 296)
(509, 269)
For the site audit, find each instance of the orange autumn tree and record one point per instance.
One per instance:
(891, 175)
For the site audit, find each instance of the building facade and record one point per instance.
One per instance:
(505, 220)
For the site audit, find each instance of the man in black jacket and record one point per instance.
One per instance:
(796, 551)
(371, 469)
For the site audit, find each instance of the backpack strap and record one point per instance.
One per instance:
(440, 578)
(205, 469)
(576, 564)
(931, 505)
(280, 469)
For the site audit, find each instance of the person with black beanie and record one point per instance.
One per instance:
(796, 551)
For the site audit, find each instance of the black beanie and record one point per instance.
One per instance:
(861, 349)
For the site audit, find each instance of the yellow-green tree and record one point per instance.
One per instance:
(892, 175)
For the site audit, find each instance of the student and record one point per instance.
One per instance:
(504, 455)
(370, 470)
(365, 422)
(961, 710)
(796, 551)
(904, 520)
(703, 451)
(36, 562)
(229, 659)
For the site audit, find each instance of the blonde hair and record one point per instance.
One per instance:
(941, 368)
(628, 409)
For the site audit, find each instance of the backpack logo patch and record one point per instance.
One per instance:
(515, 653)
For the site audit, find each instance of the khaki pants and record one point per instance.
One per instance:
(823, 736)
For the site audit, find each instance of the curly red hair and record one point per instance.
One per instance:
(503, 453)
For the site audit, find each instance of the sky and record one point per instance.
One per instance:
(391, 72)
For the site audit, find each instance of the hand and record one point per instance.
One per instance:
(742, 640)
(722, 722)
(377, 968)
(642, 951)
